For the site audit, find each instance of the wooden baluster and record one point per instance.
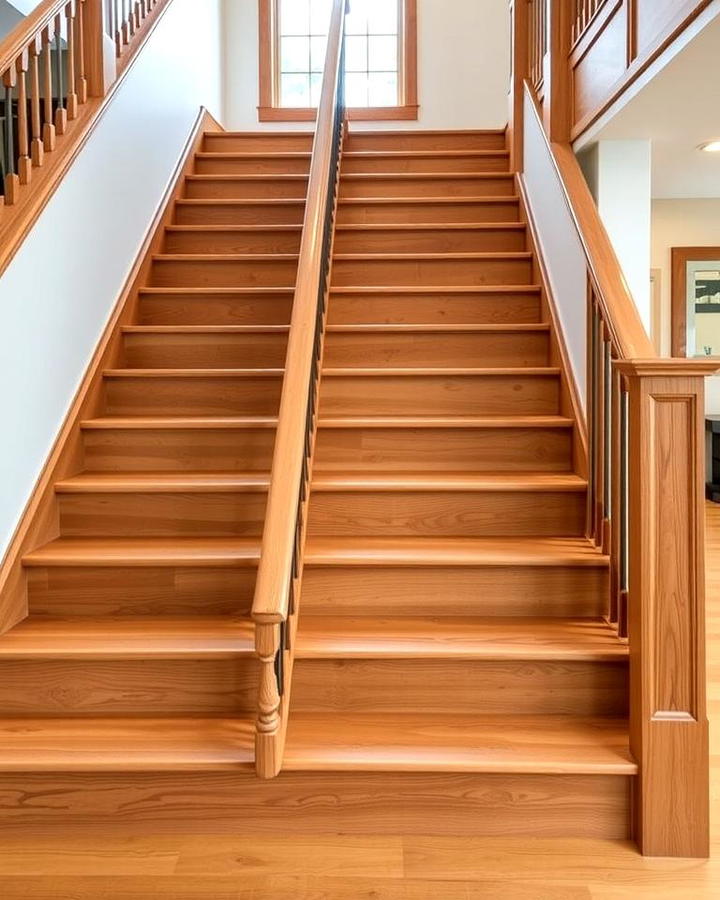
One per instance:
(49, 132)
(598, 362)
(12, 179)
(268, 645)
(37, 148)
(79, 38)
(70, 57)
(624, 513)
(616, 479)
(61, 116)
(24, 161)
(607, 510)
(668, 718)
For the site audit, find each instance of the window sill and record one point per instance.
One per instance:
(364, 114)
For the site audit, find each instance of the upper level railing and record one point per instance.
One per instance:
(57, 67)
(645, 446)
(275, 603)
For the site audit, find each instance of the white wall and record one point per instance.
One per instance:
(463, 65)
(683, 223)
(59, 290)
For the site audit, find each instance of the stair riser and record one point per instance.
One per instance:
(446, 514)
(162, 515)
(431, 240)
(417, 186)
(370, 272)
(195, 396)
(440, 308)
(436, 349)
(218, 188)
(407, 140)
(444, 450)
(228, 273)
(127, 687)
(256, 241)
(187, 309)
(252, 165)
(497, 162)
(210, 213)
(460, 686)
(553, 591)
(400, 213)
(104, 593)
(312, 803)
(164, 450)
(488, 395)
(205, 350)
(258, 143)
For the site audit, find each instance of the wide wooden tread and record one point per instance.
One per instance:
(452, 289)
(133, 638)
(225, 257)
(410, 372)
(265, 154)
(446, 422)
(410, 176)
(422, 201)
(449, 481)
(179, 423)
(164, 482)
(457, 257)
(369, 637)
(218, 552)
(220, 329)
(424, 226)
(233, 229)
(193, 373)
(527, 745)
(422, 154)
(126, 745)
(453, 551)
(441, 328)
(241, 201)
(252, 177)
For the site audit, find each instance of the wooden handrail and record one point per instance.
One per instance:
(281, 557)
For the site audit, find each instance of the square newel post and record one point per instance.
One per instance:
(666, 626)
(557, 112)
(520, 38)
(99, 48)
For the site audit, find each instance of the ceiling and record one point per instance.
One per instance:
(678, 110)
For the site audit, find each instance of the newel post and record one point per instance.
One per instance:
(557, 111)
(666, 627)
(269, 720)
(99, 48)
(519, 23)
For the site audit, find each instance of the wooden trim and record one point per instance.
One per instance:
(680, 257)
(268, 109)
(17, 221)
(39, 521)
(519, 60)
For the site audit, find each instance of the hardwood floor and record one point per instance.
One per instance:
(87, 865)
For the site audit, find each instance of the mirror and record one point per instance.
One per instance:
(696, 301)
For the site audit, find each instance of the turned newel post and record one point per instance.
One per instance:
(99, 49)
(268, 647)
(666, 629)
(520, 38)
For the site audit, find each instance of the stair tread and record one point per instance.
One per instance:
(491, 254)
(459, 743)
(224, 257)
(239, 201)
(428, 176)
(439, 289)
(367, 637)
(446, 422)
(157, 482)
(124, 744)
(249, 176)
(169, 551)
(422, 154)
(453, 551)
(427, 201)
(180, 422)
(450, 481)
(209, 329)
(256, 154)
(240, 229)
(193, 373)
(439, 328)
(432, 226)
(409, 372)
(221, 291)
(131, 638)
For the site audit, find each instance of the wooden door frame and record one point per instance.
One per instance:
(680, 257)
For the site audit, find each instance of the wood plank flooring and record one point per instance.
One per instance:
(84, 865)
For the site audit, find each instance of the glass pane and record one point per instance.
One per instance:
(356, 89)
(382, 16)
(294, 54)
(383, 89)
(320, 16)
(315, 88)
(295, 17)
(318, 48)
(356, 59)
(356, 22)
(383, 55)
(703, 329)
(295, 90)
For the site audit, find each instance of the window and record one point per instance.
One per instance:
(380, 58)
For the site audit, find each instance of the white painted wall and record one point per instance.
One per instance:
(59, 290)
(683, 223)
(559, 244)
(9, 18)
(463, 65)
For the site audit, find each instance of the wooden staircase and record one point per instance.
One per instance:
(452, 652)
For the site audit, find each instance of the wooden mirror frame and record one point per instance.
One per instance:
(681, 256)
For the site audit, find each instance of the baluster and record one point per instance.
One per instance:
(127, 32)
(24, 161)
(81, 85)
(60, 110)
(606, 363)
(72, 97)
(624, 511)
(591, 414)
(49, 132)
(267, 642)
(12, 180)
(598, 363)
(37, 149)
(616, 499)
